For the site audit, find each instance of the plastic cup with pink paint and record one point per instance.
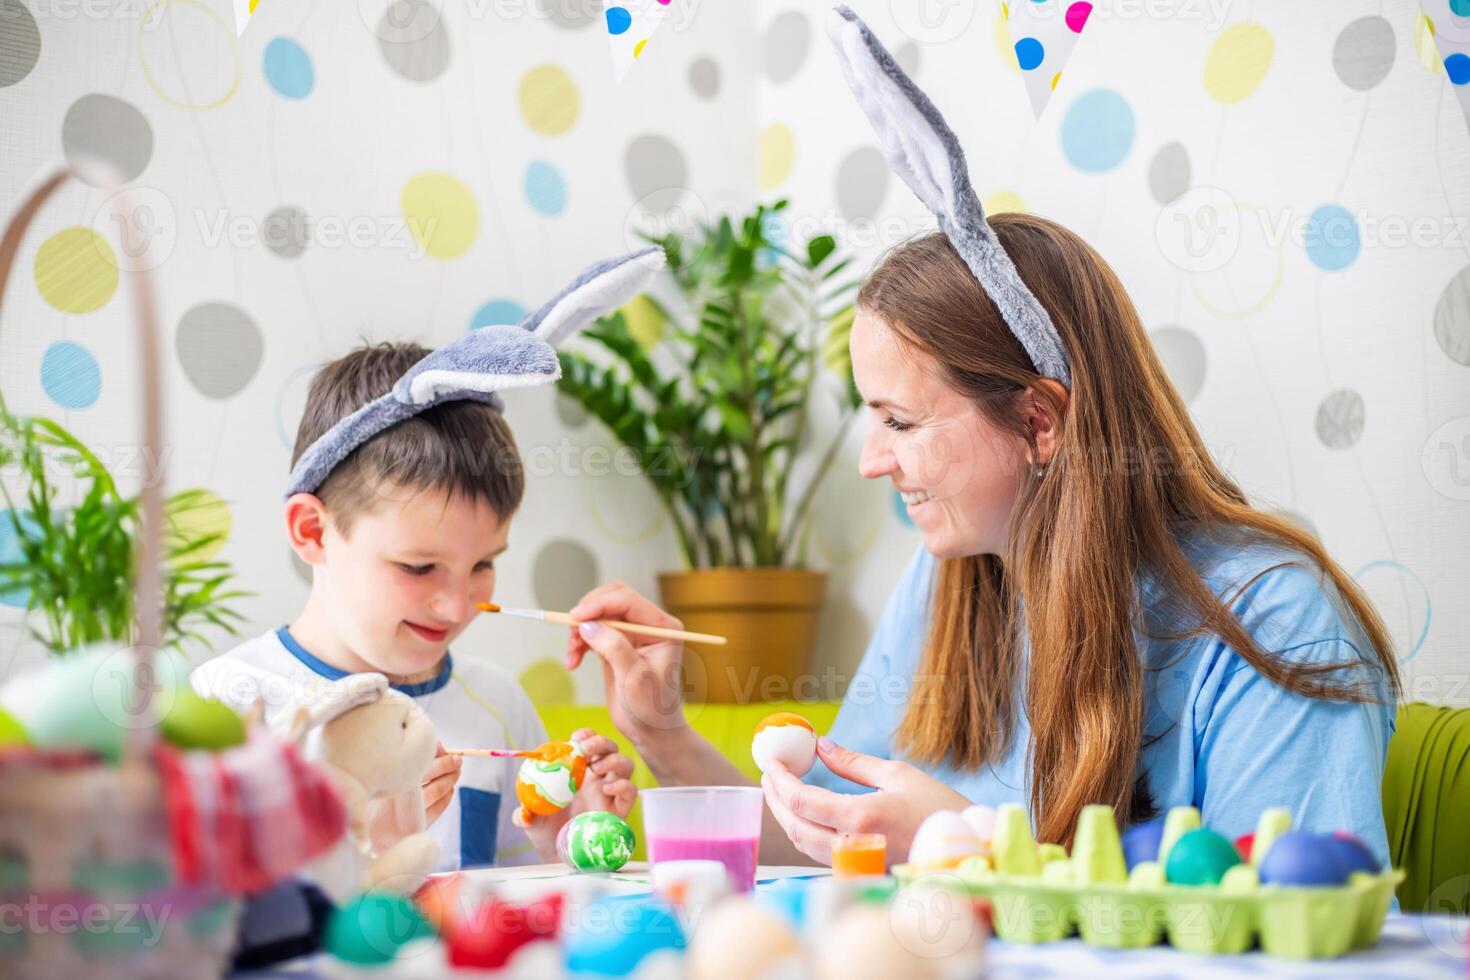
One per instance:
(712, 823)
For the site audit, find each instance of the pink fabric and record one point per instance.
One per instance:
(242, 819)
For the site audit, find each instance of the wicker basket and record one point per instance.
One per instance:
(87, 886)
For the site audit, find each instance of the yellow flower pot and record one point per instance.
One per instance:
(768, 614)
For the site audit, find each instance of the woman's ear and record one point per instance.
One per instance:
(1043, 419)
(306, 524)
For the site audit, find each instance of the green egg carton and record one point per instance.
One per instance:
(1038, 894)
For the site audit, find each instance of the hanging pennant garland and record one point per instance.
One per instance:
(1043, 34)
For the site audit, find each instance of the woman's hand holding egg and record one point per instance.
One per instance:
(813, 817)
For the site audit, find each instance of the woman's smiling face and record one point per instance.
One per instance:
(958, 473)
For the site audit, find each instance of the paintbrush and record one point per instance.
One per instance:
(565, 619)
(546, 752)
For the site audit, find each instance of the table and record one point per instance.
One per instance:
(1411, 946)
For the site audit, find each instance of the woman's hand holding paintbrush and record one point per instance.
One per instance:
(641, 675)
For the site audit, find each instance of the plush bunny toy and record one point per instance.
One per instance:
(377, 745)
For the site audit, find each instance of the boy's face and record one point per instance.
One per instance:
(404, 583)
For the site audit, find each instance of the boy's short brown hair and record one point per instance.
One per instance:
(464, 448)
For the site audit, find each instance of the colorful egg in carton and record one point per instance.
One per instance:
(1299, 895)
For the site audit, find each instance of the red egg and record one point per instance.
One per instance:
(1243, 845)
(488, 938)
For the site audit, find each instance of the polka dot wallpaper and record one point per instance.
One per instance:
(1285, 194)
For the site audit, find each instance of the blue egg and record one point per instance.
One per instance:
(1354, 853)
(1141, 842)
(786, 900)
(1302, 858)
(616, 933)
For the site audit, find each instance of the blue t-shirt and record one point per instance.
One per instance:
(1217, 735)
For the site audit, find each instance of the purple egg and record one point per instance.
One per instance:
(1302, 858)
(1354, 853)
(1141, 842)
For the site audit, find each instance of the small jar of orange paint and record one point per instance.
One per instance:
(855, 855)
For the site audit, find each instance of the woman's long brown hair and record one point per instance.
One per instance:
(1128, 474)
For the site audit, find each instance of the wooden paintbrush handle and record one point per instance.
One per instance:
(639, 628)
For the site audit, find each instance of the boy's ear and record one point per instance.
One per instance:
(306, 523)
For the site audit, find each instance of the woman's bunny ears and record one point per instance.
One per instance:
(484, 361)
(923, 151)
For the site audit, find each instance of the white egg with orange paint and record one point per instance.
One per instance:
(942, 841)
(786, 738)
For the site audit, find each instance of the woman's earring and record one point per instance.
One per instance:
(1037, 470)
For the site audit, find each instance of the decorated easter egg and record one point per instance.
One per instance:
(942, 841)
(438, 900)
(1200, 857)
(981, 819)
(86, 699)
(738, 938)
(490, 935)
(193, 722)
(1302, 858)
(11, 731)
(373, 927)
(1243, 845)
(614, 935)
(595, 841)
(1354, 853)
(1141, 842)
(691, 884)
(785, 738)
(549, 783)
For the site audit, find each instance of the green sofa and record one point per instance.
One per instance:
(1426, 783)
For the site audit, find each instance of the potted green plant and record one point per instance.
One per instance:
(74, 563)
(715, 394)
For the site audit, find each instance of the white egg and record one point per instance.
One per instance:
(981, 819)
(739, 938)
(942, 841)
(863, 945)
(785, 738)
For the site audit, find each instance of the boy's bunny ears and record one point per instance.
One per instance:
(484, 361)
(923, 150)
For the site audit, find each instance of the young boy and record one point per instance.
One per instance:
(402, 537)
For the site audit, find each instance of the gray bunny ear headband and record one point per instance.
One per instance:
(484, 361)
(923, 151)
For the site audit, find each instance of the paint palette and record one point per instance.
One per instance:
(1039, 893)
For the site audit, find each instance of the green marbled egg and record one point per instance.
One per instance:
(595, 841)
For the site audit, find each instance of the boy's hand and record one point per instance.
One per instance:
(439, 784)
(609, 783)
(607, 786)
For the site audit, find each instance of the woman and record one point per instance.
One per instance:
(1097, 614)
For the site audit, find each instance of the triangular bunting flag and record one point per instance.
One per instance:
(630, 26)
(1449, 22)
(1043, 33)
(243, 10)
